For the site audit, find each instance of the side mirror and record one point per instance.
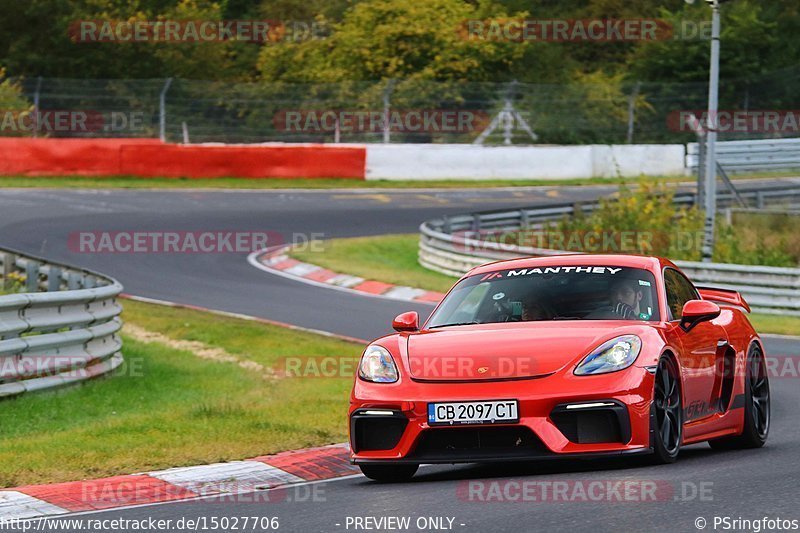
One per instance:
(696, 311)
(406, 322)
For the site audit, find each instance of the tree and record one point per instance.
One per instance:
(407, 39)
(38, 38)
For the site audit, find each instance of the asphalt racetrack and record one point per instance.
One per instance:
(703, 484)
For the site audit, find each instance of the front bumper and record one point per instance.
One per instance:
(388, 422)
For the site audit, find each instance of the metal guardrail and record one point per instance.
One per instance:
(751, 156)
(453, 245)
(63, 329)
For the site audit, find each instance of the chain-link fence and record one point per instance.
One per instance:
(396, 111)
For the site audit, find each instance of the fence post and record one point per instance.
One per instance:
(162, 111)
(36, 96)
(632, 111)
(387, 104)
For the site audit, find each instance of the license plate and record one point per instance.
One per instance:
(489, 412)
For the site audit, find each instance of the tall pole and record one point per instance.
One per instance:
(711, 159)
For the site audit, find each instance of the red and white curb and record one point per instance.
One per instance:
(276, 261)
(186, 483)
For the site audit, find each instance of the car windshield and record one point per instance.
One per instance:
(550, 293)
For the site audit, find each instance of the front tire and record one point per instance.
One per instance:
(389, 473)
(756, 406)
(668, 412)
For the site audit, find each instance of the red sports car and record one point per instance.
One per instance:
(567, 356)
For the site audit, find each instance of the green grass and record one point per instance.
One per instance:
(388, 258)
(764, 238)
(782, 325)
(132, 182)
(167, 407)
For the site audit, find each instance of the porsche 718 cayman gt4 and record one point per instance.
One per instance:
(580, 355)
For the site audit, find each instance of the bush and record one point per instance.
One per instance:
(645, 220)
(641, 220)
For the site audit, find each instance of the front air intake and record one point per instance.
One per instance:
(593, 423)
(374, 430)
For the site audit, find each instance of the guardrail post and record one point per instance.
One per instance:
(32, 276)
(8, 268)
(476, 223)
(760, 200)
(446, 227)
(53, 279)
(73, 281)
(524, 220)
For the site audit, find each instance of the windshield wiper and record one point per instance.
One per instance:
(453, 324)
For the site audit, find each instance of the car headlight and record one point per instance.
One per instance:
(617, 354)
(377, 365)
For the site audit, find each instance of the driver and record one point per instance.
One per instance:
(626, 298)
(533, 310)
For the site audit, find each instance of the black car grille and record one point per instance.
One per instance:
(476, 443)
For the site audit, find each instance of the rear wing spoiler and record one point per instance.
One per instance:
(723, 296)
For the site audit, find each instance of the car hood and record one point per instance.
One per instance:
(504, 351)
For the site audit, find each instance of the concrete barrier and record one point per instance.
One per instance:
(466, 161)
(151, 158)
